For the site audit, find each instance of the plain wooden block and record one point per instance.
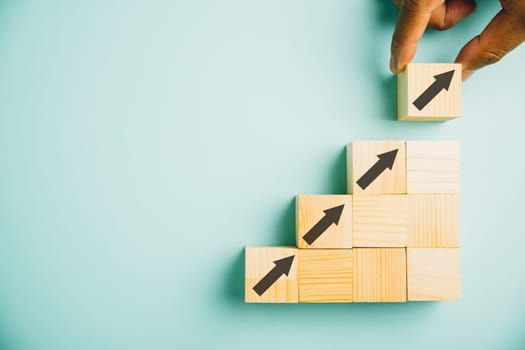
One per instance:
(433, 220)
(433, 166)
(324, 220)
(380, 221)
(380, 275)
(429, 92)
(325, 275)
(433, 273)
(269, 269)
(368, 160)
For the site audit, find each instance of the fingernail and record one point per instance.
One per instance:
(393, 64)
(467, 73)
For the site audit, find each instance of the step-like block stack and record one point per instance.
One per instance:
(395, 236)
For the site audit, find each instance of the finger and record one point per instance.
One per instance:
(411, 24)
(450, 13)
(502, 34)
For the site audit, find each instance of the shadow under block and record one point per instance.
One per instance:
(325, 275)
(433, 166)
(433, 274)
(272, 271)
(380, 275)
(433, 220)
(380, 221)
(324, 221)
(429, 92)
(376, 167)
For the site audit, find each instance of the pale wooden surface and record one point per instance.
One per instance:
(433, 273)
(362, 155)
(433, 220)
(416, 78)
(258, 262)
(380, 275)
(380, 221)
(325, 275)
(309, 210)
(433, 166)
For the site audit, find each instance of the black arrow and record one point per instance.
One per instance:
(331, 216)
(282, 267)
(442, 81)
(386, 160)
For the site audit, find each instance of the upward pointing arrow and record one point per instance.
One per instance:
(386, 160)
(442, 82)
(331, 216)
(282, 267)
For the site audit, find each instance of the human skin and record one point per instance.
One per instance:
(503, 33)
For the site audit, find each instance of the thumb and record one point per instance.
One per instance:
(504, 32)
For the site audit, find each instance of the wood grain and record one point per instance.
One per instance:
(310, 209)
(380, 221)
(433, 220)
(380, 275)
(433, 273)
(258, 262)
(325, 275)
(362, 155)
(415, 79)
(433, 166)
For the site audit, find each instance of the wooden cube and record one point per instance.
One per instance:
(433, 166)
(380, 221)
(325, 275)
(324, 221)
(380, 275)
(376, 167)
(433, 220)
(433, 274)
(429, 92)
(271, 275)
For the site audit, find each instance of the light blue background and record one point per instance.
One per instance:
(143, 144)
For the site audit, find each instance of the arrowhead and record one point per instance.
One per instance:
(443, 80)
(334, 214)
(284, 265)
(387, 159)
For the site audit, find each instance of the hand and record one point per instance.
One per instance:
(504, 32)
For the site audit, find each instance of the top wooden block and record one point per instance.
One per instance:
(429, 92)
(376, 167)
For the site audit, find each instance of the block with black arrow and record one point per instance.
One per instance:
(376, 167)
(271, 275)
(393, 238)
(429, 92)
(324, 221)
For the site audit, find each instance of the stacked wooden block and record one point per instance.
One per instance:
(393, 238)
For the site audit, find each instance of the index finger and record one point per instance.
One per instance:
(411, 24)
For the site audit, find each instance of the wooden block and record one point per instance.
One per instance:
(429, 92)
(325, 275)
(433, 274)
(324, 221)
(433, 220)
(271, 275)
(380, 221)
(376, 167)
(380, 275)
(433, 166)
